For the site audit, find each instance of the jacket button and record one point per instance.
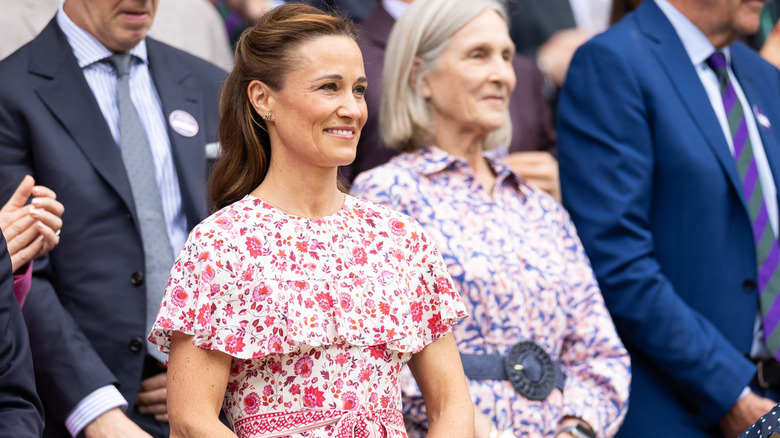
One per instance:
(137, 278)
(749, 285)
(136, 345)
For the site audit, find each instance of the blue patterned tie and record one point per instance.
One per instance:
(139, 164)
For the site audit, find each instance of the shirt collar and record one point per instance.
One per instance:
(696, 44)
(431, 159)
(87, 49)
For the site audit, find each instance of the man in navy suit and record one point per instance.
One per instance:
(20, 409)
(86, 311)
(649, 176)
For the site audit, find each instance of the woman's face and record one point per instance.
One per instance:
(320, 109)
(469, 87)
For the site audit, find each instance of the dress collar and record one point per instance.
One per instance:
(431, 159)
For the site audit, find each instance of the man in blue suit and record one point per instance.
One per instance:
(648, 173)
(87, 309)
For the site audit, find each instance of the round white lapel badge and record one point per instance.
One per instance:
(183, 122)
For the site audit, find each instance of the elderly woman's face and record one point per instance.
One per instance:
(320, 110)
(469, 88)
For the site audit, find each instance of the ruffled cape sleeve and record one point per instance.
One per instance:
(227, 290)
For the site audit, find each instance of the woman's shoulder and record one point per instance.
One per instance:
(233, 217)
(382, 215)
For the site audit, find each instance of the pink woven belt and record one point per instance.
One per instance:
(358, 423)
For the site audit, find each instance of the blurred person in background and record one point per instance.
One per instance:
(550, 31)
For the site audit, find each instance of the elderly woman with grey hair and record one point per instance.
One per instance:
(540, 351)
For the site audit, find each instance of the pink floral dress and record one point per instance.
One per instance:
(319, 315)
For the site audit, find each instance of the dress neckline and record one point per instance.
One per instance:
(292, 215)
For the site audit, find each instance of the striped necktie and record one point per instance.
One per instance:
(767, 253)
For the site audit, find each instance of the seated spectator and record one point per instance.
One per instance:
(540, 352)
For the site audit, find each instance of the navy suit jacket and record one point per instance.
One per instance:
(21, 413)
(651, 185)
(86, 309)
(529, 110)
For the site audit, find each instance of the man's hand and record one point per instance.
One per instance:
(744, 413)
(539, 168)
(30, 230)
(114, 424)
(152, 398)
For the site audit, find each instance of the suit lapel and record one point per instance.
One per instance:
(671, 55)
(178, 93)
(69, 98)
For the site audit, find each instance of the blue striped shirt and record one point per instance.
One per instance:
(91, 56)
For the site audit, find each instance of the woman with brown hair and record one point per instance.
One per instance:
(295, 306)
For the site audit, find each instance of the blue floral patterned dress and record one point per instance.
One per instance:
(522, 272)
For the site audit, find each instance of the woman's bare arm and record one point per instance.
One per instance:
(439, 374)
(197, 379)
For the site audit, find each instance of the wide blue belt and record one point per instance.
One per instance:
(530, 370)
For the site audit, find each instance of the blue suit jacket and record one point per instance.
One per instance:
(651, 185)
(86, 308)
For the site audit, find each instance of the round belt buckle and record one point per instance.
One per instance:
(530, 370)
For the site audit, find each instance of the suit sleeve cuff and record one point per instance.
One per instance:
(92, 406)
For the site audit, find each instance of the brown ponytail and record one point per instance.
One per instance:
(266, 52)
